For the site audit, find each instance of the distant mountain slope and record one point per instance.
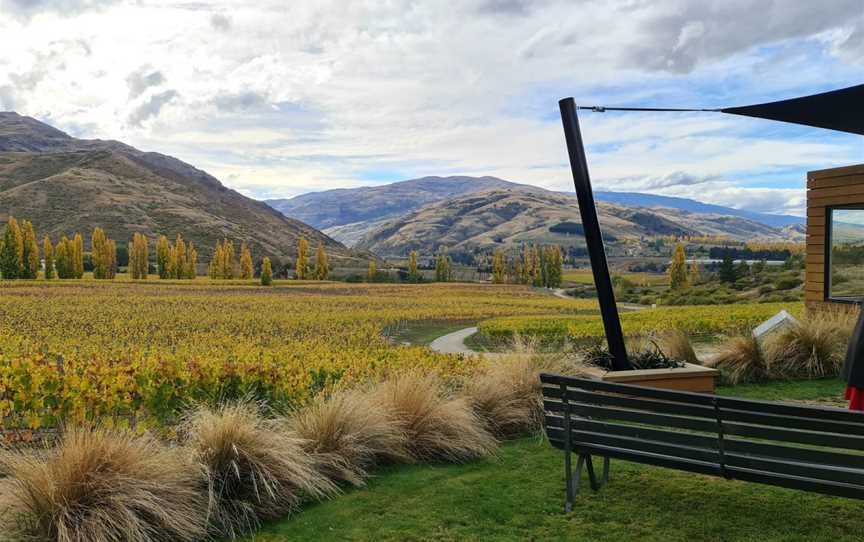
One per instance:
(348, 214)
(651, 200)
(343, 206)
(506, 218)
(64, 185)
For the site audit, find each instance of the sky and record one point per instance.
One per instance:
(279, 98)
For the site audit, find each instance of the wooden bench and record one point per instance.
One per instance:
(815, 449)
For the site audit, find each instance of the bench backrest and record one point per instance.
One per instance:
(811, 448)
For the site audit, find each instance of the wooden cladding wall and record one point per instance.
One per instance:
(826, 188)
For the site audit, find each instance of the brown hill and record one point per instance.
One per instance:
(63, 185)
(506, 218)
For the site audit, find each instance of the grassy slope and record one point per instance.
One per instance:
(520, 494)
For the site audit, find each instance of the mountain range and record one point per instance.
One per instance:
(466, 214)
(66, 185)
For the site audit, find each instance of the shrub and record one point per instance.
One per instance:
(676, 344)
(741, 360)
(506, 392)
(100, 485)
(812, 349)
(437, 425)
(348, 434)
(254, 469)
(787, 283)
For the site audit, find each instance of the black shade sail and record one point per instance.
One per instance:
(841, 110)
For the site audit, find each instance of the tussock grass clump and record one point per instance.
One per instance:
(101, 485)
(812, 349)
(349, 433)
(255, 470)
(676, 344)
(437, 425)
(506, 391)
(741, 360)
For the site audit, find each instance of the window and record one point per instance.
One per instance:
(845, 265)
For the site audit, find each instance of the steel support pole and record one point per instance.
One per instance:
(593, 237)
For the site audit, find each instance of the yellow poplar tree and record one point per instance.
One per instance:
(322, 266)
(139, 257)
(99, 253)
(246, 270)
(678, 269)
(163, 257)
(77, 256)
(536, 267)
(229, 262)
(372, 272)
(48, 251)
(266, 272)
(63, 258)
(302, 266)
(413, 273)
(12, 250)
(190, 266)
(498, 267)
(29, 253)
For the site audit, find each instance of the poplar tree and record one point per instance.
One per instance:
(99, 253)
(413, 273)
(442, 268)
(266, 272)
(12, 250)
(694, 276)
(29, 253)
(302, 259)
(77, 256)
(163, 257)
(554, 266)
(215, 267)
(322, 266)
(139, 257)
(536, 267)
(178, 264)
(498, 267)
(372, 272)
(230, 260)
(245, 262)
(527, 270)
(678, 269)
(190, 266)
(63, 258)
(48, 251)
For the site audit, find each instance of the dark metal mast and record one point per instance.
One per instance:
(593, 237)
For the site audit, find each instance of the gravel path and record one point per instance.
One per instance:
(454, 343)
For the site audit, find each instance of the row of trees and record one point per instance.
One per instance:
(538, 266)
(303, 271)
(20, 256)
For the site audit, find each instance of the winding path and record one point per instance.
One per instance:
(454, 343)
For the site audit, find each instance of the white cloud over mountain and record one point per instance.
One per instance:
(278, 98)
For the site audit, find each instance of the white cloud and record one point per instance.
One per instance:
(279, 98)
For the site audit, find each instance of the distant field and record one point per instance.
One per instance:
(694, 319)
(584, 276)
(118, 348)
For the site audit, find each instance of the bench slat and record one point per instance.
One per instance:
(829, 440)
(793, 422)
(793, 453)
(627, 389)
(634, 403)
(795, 482)
(635, 416)
(582, 438)
(805, 470)
(657, 460)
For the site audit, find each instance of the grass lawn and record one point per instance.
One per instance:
(424, 332)
(519, 495)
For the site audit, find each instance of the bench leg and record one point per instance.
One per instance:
(571, 487)
(605, 471)
(591, 476)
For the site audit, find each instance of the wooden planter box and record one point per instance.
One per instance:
(693, 378)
